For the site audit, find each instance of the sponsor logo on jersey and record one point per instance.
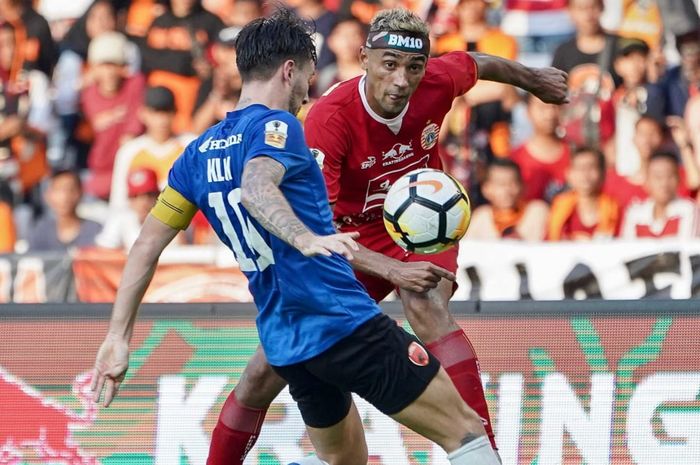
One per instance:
(429, 137)
(318, 156)
(418, 355)
(276, 134)
(370, 162)
(398, 153)
(220, 144)
(378, 187)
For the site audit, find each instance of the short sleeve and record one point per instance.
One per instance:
(279, 136)
(461, 69)
(178, 178)
(329, 146)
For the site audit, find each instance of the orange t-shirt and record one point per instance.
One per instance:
(7, 229)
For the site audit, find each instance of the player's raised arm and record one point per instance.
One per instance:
(262, 198)
(547, 84)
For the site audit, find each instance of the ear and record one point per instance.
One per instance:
(288, 69)
(364, 58)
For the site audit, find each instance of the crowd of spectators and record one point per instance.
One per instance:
(98, 98)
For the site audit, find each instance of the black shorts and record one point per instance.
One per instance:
(380, 362)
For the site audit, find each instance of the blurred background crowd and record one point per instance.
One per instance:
(98, 98)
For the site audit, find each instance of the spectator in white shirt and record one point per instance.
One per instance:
(663, 214)
(123, 225)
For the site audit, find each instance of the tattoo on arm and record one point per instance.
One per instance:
(261, 196)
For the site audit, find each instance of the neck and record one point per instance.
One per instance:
(66, 219)
(160, 137)
(660, 210)
(263, 93)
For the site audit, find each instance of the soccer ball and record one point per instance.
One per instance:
(426, 211)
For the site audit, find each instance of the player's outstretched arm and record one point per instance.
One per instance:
(112, 358)
(262, 198)
(548, 84)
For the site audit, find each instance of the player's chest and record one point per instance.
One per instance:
(382, 150)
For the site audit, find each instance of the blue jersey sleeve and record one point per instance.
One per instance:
(178, 177)
(279, 135)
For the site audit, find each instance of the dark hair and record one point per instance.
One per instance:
(265, 43)
(664, 155)
(67, 172)
(505, 163)
(7, 26)
(600, 158)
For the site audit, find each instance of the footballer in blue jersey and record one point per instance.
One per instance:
(305, 304)
(261, 189)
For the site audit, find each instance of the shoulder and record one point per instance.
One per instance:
(135, 144)
(449, 62)
(336, 100)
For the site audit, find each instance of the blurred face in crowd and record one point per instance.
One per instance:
(502, 187)
(243, 12)
(142, 204)
(585, 174)
(585, 14)
(543, 116)
(472, 11)
(226, 79)
(100, 19)
(632, 68)
(159, 124)
(108, 77)
(7, 48)
(182, 8)
(63, 194)
(662, 180)
(648, 137)
(690, 61)
(346, 40)
(392, 77)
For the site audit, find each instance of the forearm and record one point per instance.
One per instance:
(373, 263)
(493, 68)
(690, 163)
(264, 201)
(137, 275)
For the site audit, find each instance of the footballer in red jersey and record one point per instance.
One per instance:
(366, 133)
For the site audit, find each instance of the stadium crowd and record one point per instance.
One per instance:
(98, 98)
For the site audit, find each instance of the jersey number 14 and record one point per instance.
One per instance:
(252, 237)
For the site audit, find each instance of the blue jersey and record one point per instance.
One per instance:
(305, 304)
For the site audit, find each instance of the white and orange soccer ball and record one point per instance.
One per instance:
(426, 211)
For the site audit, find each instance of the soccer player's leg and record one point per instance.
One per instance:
(432, 322)
(392, 370)
(330, 416)
(242, 415)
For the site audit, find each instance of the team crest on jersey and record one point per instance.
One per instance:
(429, 137)
(417, 354)
(318, 156)
(276, 134)
(370, 162)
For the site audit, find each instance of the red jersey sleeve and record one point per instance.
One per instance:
(461, 69)
(328, 142)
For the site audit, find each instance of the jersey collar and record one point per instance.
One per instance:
(394, 124)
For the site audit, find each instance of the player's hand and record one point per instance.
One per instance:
(549, 85)
(340, 243)
(679, 131)
(110, 368)
(418, 276)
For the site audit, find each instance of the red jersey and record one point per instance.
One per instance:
(625, 192)
(362, 154)
(541, 180)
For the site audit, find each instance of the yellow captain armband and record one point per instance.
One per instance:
(173, 209)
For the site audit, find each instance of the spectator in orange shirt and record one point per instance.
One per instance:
(7, 224)
(508, 214)
(584, 212)
(544, 157)
(663, 214)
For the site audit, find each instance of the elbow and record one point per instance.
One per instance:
(147, 249)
